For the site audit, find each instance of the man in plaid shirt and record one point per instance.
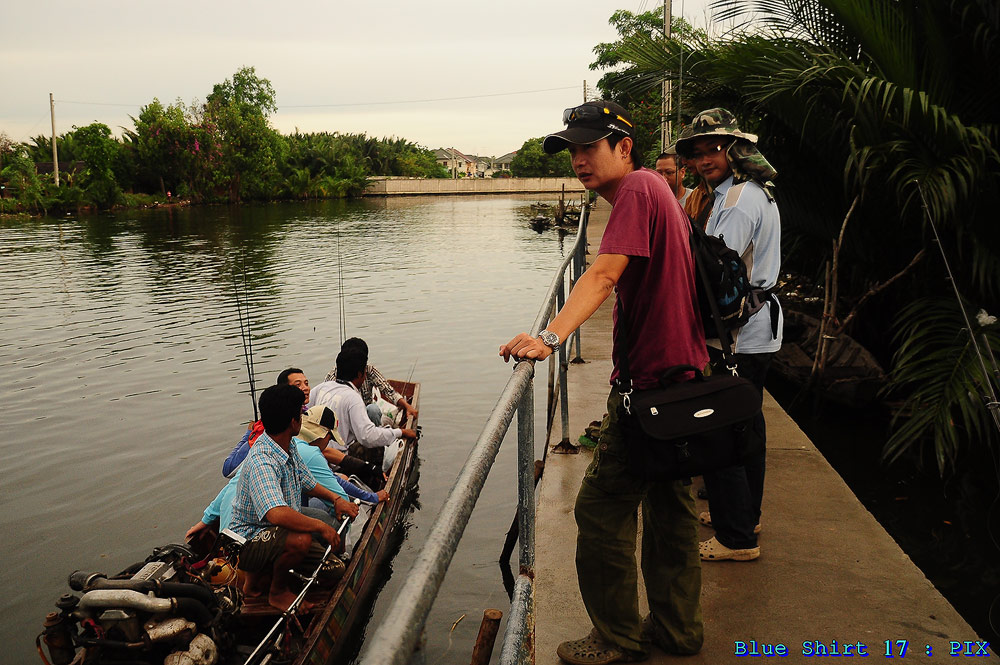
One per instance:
(266, 508)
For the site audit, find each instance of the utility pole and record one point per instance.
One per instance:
(55, 151)
(665, 132)
(584, 91)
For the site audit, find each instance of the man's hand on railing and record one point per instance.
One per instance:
(525, 346)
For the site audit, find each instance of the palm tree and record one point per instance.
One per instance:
(862, 99)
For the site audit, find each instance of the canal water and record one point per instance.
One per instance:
(124, 386)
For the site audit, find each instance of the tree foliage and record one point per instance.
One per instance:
(222, 150)
(864, 98)
(533, 162)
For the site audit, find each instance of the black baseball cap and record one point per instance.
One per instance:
(588, 123)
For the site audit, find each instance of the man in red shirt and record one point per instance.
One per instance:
(645, 258)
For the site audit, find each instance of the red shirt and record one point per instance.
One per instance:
(657, 289)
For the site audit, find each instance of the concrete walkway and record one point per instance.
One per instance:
(827, 573)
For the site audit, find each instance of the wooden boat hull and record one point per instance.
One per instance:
(345, 607)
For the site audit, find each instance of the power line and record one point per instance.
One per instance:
(405, 101)
(424, 101)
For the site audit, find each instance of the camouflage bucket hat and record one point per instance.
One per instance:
(712, 122)
(747, 161)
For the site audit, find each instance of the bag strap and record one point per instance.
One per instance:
(697, 237)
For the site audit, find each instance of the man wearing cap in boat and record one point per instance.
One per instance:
(746, 217)
(646, 258)
(267, 503)
(369, 473)
(318, 429)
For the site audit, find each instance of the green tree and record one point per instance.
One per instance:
(18, 175)
(239, 108)
(100, 152)
(533, 162)
(645, 103)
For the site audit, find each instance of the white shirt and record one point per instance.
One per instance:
(353, 421)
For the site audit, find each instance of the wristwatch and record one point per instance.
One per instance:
(550, 339)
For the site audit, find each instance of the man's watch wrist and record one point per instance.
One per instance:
(549, 339)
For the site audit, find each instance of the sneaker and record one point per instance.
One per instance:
(713, 550)
(706, 519)
(593, 650)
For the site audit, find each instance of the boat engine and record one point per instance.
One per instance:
(166, 610)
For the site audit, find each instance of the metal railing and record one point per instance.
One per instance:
(400, 632)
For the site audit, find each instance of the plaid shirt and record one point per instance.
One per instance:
(373, 379)
(269, 478)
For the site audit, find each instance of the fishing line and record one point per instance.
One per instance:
(340, 287)
(247, 351)
(990, 400)
(252, 369)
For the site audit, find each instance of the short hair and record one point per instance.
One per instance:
(283, 377)
(678, 164)
(279, 405)
(350, 363)
(355, 343)
(614, 138)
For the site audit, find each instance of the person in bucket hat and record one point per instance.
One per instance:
(645, 257)
(744, 158)
(746, 217)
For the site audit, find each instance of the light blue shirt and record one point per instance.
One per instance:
(221, 507)
(749, 223)
(269, 478)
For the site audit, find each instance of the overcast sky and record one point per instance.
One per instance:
(335, 66)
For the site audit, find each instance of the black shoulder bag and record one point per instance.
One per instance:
(686, 428)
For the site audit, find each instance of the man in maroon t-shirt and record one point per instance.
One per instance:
(644, 257)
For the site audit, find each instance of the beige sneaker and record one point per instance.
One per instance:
(706, 519)
(713, 550)
(593, 650)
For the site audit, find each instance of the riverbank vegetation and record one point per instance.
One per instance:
(222, 150)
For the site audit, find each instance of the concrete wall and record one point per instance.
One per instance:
(415, 186)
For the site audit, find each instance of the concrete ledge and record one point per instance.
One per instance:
(423, 186)
(828, 572)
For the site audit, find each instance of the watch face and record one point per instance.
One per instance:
(549, 338)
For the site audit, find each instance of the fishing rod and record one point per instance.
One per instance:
(340, 287)
(246, 338)
(990, 397)
(293, 608)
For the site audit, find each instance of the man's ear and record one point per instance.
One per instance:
(626, 145)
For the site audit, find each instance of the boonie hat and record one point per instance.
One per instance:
(588, 123)
(711, 122)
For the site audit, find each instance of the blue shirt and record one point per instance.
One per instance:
(749, 223)
(221, 507)
(270, 477)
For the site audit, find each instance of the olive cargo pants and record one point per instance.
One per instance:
(606, 515)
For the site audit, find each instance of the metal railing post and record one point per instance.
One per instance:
(563, 389)
(518, 640)
(581, 267)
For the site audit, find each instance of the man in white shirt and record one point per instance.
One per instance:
(344, 397)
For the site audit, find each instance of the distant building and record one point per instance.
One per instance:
(456, 162)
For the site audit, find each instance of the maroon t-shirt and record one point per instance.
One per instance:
(656, 290)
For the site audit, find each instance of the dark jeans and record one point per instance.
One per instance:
(735, 493)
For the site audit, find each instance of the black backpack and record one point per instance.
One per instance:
(721, 281)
